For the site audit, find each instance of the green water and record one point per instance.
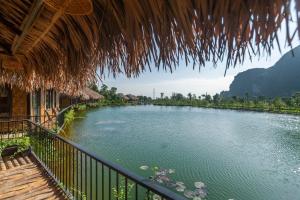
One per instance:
(238, 155)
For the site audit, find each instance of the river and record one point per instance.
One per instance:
(238, 155)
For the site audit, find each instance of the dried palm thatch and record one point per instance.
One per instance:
(88, 94)
(49, 46)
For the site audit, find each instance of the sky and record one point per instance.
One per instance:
(185, 80)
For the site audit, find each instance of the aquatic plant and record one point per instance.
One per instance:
(163, 176)
(69, 116)
(81, 107)
(120, 193)
(144, 167)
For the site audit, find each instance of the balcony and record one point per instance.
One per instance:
(64, 170)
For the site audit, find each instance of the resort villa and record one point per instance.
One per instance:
(51, 50)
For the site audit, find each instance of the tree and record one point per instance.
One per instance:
(113, 93)
(94, 87)
(104, 91)
(194, 96)
(208, 97)
(104, 88)
(278, 103)
(177, 96)
(247, 96)
(261, 98)
(235, 98)
(296, 98)
(161, 95)
(216, 98)
(189, 96)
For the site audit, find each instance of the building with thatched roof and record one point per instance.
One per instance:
(84, 95)
(39, 105)
(62, 44)
(59, 45)
(132, 97)
(91, 94)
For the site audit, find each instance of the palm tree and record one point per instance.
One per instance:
(161, 95)
(190, 96)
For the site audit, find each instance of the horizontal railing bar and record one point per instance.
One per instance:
(162, 191)
(12, 120)
(21, 117)
(66, 108)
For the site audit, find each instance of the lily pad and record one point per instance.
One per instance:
(180, 188)
(144, 167)
(164, 178)
(199, 185)
(200, 193)
(179, 183)
(156, 197)
(162, 172)
(189, 194)
(196, 198)
(159, 180)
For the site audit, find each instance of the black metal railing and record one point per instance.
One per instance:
(48, 121)
(61, 116)
(13, 129)
(84, 175)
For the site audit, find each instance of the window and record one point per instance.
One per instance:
(49, 99)
(36, 105)
(54, 98)
(5, 101)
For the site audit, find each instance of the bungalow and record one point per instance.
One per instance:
(85, 95)
(38, 106)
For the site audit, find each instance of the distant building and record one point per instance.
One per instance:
(132, 97)
(85, 95)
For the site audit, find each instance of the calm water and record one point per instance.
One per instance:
(238, 155)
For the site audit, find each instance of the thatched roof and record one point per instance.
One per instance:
(89, 94)
(84, 94)
(132, 97)
(62, 45)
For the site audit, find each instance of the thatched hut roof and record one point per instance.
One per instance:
(84, 94)
(62, 43)
(91, 94)
(132, 97)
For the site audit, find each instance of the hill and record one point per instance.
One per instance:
(282, 79)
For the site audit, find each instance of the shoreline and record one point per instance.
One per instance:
(258, 110)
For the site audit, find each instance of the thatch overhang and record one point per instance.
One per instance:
(63, 43)
(91, 94)
(84, 94)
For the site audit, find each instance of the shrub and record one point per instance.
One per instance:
(23, 144)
